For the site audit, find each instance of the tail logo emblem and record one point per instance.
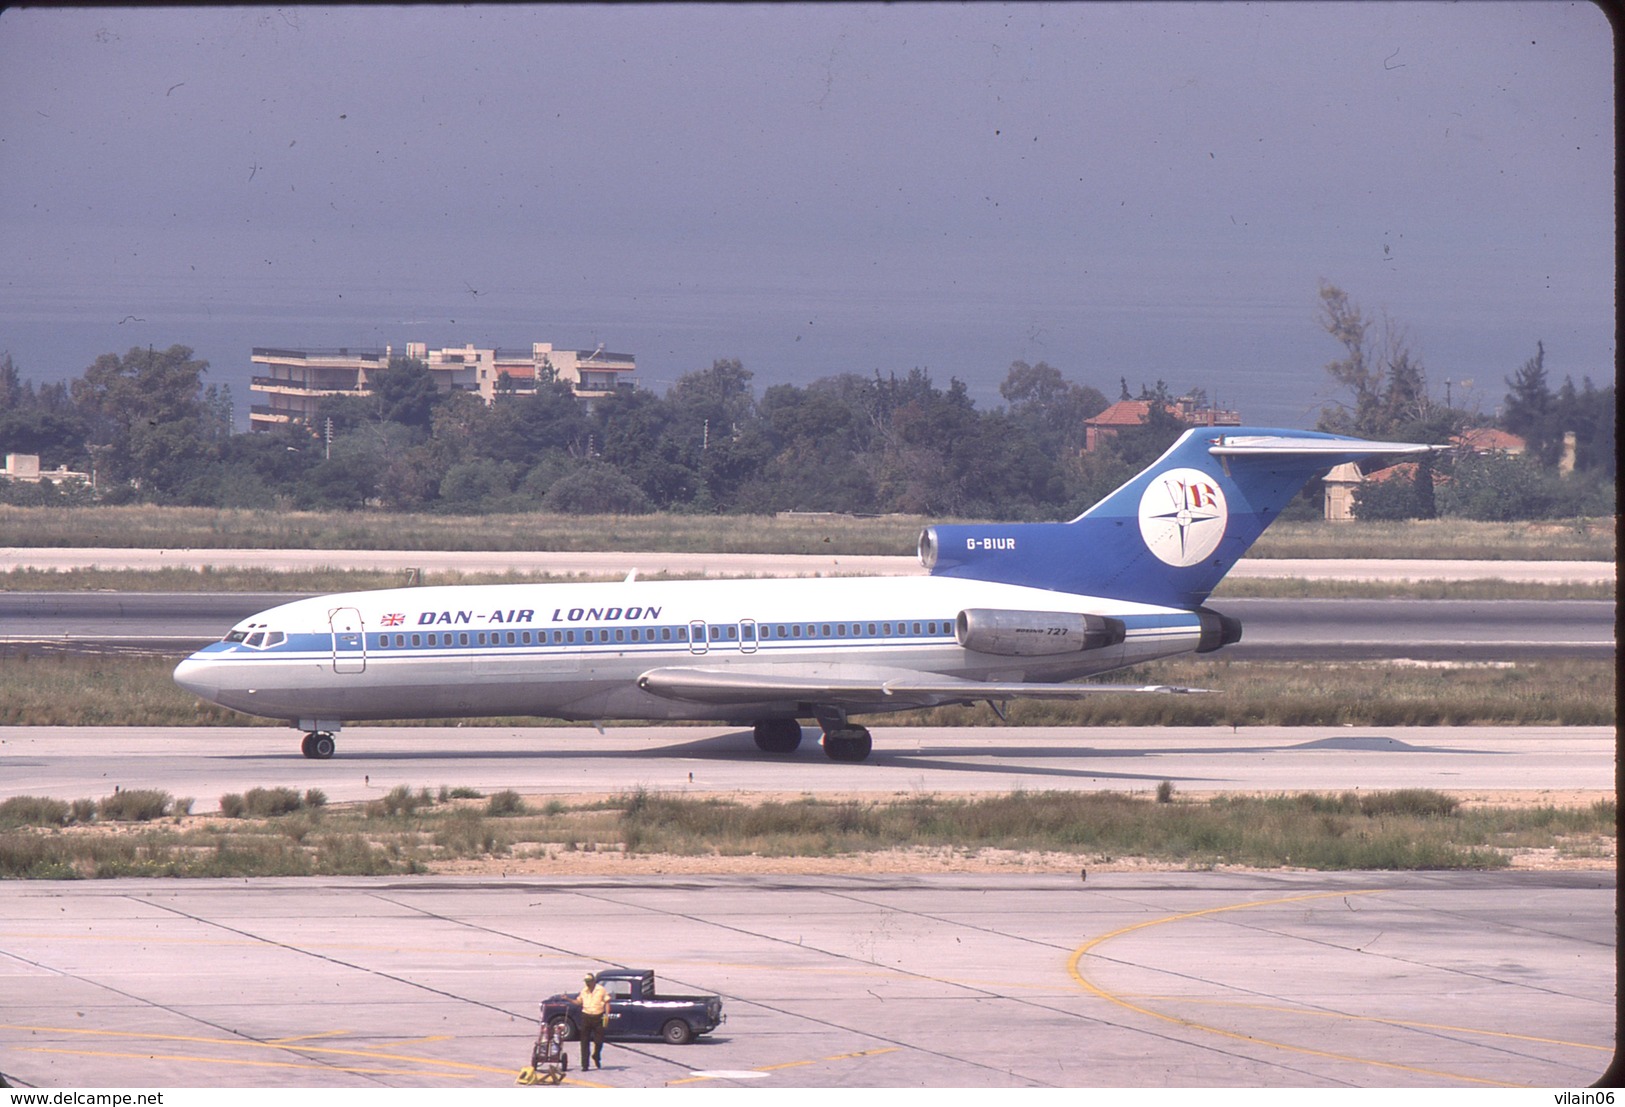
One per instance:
(1182, 516)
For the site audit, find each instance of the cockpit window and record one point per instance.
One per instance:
(257, 639)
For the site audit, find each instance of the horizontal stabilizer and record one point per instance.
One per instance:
(1275, 445)
(876, 686)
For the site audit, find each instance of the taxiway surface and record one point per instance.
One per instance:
(1121, 980)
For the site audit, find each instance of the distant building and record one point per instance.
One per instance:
(1489, 440)
(1343, 481)
(26, 468)
(1135, 413)
(294, 382)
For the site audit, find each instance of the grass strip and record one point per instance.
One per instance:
(154, 527)
(416, 832)
(304, 582)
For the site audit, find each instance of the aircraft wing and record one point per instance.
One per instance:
(857, 685)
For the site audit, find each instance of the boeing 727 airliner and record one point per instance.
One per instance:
(1008, 610)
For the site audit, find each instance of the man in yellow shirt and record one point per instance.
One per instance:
(594, 1001)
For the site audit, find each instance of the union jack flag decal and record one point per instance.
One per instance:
(393, 620)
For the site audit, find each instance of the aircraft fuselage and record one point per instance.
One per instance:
(577, 651)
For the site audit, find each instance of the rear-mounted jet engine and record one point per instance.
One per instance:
(1035, 633)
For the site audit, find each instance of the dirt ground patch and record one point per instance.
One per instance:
(1600, 856)
(1598, 852)
(1588, 852)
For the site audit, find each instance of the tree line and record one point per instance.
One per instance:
(1388, 397)
(151, 431)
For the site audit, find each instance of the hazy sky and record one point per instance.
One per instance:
(1122, 190)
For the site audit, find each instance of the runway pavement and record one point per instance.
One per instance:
(206, 762)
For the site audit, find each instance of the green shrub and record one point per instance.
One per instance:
(505, 803)
(296, 827)
(465, 833)
(401, 800)
(267, 803)
(253, 855)
(1420, 803)
(138, 805)
(315, 797)
(34, 811)
(353, 855)
(595, 488)
(232, 805)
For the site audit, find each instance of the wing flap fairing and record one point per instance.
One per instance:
(733, 686)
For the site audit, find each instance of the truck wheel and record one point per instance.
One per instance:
(677, 1032)
(569, 1027)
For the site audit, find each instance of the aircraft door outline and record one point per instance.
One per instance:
(349, 640)
(747, 636)
(697, 642)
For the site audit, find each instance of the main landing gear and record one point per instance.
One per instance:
(842, 740)
(318, 745)
(778, 735)
(848, 743)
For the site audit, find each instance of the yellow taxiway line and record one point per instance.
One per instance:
(1076, 971)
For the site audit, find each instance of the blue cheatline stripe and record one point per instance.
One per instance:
(772, 637)
(577, 640)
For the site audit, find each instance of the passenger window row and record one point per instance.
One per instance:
(929, 628)
(718, 632)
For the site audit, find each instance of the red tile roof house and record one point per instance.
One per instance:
(1135, 413)
(1342, 481)
(1488, 440)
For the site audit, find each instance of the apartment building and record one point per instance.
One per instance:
(289, 385)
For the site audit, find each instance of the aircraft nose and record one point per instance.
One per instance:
(196, 675)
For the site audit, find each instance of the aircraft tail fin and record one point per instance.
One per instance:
(1170, 534)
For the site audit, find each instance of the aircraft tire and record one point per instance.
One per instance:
(778, 735)
(848, 744)
(318, 746)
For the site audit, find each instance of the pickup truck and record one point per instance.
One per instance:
(636, 1011)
